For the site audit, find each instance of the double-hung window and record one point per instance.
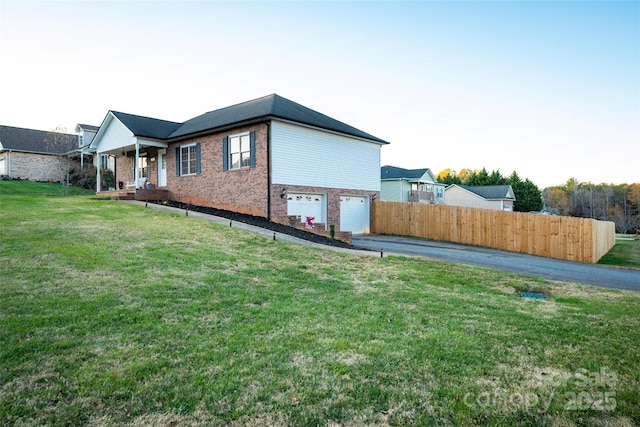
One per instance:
(188, 159)
(104, 161)
(238, 151)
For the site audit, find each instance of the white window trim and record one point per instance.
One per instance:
(230, 153)
(194, 153)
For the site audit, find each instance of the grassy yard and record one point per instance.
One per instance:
(625, 253)
(114, 314)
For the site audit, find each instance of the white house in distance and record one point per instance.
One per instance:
(410, 185)
(497, 197)
(86, 133)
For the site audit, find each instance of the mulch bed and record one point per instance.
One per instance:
(259, 222)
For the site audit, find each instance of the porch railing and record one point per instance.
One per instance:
(416, 196)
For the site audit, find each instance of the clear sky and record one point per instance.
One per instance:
(549, 89)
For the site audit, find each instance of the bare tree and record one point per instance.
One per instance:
(58, 142)
(619, 203)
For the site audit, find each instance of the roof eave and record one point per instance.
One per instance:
(263, 119)
(222, 128)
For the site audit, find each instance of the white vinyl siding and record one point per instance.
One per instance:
(116, 136)
(395, 190)
(85, 138)
(309, 157)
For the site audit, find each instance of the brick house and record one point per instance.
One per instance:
(36, 155)
(269, 157)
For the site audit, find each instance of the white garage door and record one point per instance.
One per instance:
(354, 214)
(306, 205)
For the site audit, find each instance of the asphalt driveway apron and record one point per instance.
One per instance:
(547, 268)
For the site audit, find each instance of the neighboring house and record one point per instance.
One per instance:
(497, 197)
(35, 155)
(268, 157)
(86, 133)
(410, 185)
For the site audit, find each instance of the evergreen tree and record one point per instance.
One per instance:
(528, 197)
(477, 178)
(449, 177)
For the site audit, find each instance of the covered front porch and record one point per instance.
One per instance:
(138, 166)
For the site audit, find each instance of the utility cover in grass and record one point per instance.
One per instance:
(534, 295)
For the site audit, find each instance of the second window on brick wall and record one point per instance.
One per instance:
(188, 159)
(238, 151)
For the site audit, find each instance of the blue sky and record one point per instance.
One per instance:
(550, 89)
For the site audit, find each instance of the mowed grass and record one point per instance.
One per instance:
(625, 253)
(114, 314)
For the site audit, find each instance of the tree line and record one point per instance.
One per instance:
(528, 195)
(619, 203)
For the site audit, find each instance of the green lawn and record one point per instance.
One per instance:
(114, 314)
(625, 253)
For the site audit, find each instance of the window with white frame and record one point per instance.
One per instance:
(239, 151)
(188, 159)
(104, 161)
(143, 167)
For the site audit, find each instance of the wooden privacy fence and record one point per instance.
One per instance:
(568, 238)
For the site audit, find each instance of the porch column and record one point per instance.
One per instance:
(98, 174)
(136, 169)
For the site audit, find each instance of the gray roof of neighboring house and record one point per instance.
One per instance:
(491, 191)
(36, 141)
(392, 172)
(267, 107)
(88, 127)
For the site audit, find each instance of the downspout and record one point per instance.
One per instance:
(268, 170)
(9, 164)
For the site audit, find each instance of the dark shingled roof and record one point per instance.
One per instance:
(271, 106)
(89, 127)
(37, 141)
(146, 127)
(392, 172)
(490, 191)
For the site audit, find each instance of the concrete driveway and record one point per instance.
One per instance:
(547, 268)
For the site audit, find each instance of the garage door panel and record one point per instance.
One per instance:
(306, 205)
(354, 214)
